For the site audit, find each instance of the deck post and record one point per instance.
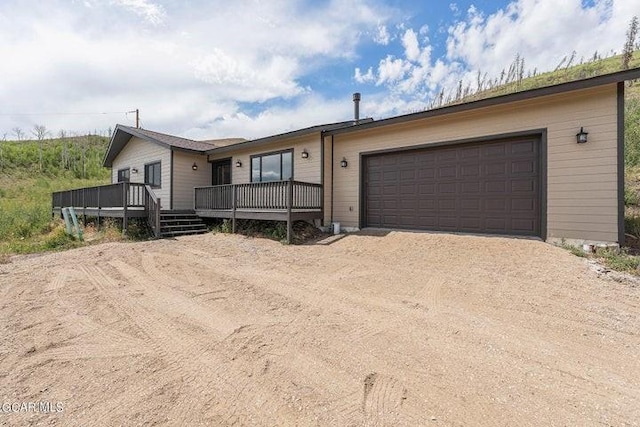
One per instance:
(289, 206)
(98, 218)
(157, 219)
(233, 208)
(84, 208)
(125, 200)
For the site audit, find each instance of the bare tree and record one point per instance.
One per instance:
(627, 52)
(64, 160)
(19, 133)
(40, 132)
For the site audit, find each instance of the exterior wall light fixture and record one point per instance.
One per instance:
(134, 170)
(238, 164)
(305, 154)
(194, 166)
(582, 136)
(344, 163)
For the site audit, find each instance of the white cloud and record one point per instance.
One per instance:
(411, 47)
(185, 65)
(382, 36)
(540, 31)
(367, 77)
(151, 12)
(391, 70)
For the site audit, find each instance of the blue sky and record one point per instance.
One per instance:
(208, 69)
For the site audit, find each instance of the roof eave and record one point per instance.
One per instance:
(280, 137)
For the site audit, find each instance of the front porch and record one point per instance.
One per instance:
(275, 201)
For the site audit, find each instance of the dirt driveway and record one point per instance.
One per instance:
(402, 329)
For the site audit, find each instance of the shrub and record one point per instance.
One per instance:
(58, 238)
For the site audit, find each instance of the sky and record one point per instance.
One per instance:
(206, 69)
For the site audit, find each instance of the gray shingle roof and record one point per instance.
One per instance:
(123, 134)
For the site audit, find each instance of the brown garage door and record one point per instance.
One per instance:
(488, 187)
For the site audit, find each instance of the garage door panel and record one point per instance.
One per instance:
(489, 187)
(447, 205)
(496, 205)
(447, 172)
(446, 155)
(470, 187)
(471, 223)
(523, 185)
(426, 189)
(523, 147)
(495, 224)
(494, 150)
(469, 171)
(426, 205)
(495, 169)
(522, 167)
(426, 173)
(474, 205)
(448, 223)
(495, 187)
(447, 187)
(469, 153)
(525, 226)
(519, 205)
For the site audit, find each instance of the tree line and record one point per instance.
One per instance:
(79, 156)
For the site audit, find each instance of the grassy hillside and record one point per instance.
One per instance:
(519, 82)
(29, 172)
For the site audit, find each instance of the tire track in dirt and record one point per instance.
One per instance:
(202, 372)
(383, 397)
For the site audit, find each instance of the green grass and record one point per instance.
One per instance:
(619, 260)
(576, 72)
(26, 184)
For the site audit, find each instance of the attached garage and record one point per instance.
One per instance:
(509, 165)
(489, 186)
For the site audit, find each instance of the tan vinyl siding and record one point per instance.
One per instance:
(185, 178)
(138, 153)
(582, 199)
(306, 170)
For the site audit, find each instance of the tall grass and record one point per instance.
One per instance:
(27, 181)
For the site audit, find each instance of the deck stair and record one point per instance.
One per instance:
(180, 223)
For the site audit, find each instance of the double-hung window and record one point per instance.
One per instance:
(272, 166)
(152, 175)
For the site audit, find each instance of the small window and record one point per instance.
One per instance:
(272, 167)
(124, 175)
(152, 175)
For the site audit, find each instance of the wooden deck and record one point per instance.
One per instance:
(272, 201)
(122, 200)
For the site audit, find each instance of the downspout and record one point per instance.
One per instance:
(322, 173)
(332, 192)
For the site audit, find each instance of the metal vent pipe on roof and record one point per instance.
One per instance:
(356, 106)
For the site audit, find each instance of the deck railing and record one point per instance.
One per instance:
(275, 195)
(123, 195)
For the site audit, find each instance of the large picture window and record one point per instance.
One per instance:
(124, 175)
(152, 175)
(272, 167)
